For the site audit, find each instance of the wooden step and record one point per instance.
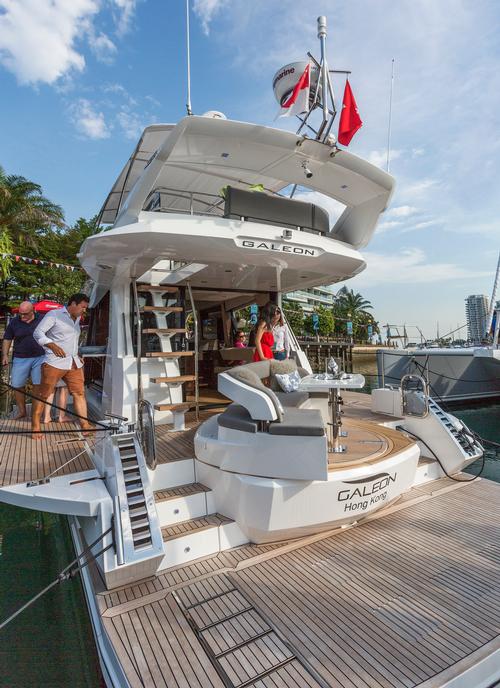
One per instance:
(164, 330)
(168, 354)
(184, 406)
(194, 525)
(183, 503)
(178, 378)
(180, 491)
(157, 287)
(161, 309)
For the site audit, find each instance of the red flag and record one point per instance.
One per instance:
(298, 100)
(350, 121)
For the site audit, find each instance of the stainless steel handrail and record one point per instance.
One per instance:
(120, 556)
(214, 201)
(196, 340)
(148, 442)
(405, 381)
(140, 393)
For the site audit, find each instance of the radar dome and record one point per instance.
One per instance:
(214, 114)
(285, 79)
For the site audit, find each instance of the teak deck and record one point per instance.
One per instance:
(407, 598)
(23, 459)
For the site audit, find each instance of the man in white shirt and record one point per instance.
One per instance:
(59, 334)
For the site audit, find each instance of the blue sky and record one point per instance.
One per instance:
(80, 79)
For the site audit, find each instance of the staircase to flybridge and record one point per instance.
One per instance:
(164, 346)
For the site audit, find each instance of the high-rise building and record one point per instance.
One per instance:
(476, 311)
(309, 298)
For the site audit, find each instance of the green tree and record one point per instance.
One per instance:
(38, 281)
(351, 306)
(295, 317)
(24, 214)
(326, 322)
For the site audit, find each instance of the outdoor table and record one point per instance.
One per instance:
(322, 382)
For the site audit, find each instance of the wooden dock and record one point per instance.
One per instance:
(410, 597)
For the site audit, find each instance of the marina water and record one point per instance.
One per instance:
(51, 643)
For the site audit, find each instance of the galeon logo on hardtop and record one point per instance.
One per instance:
(366, 486)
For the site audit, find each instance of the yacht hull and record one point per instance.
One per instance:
(454, 374)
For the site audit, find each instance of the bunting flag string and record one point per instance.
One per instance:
(38, 261)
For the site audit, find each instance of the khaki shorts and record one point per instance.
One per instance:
(51, 376)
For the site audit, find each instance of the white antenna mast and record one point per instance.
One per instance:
(491, 309)
(188, 104)
(390, 120)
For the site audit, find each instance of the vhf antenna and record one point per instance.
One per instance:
(188, 104)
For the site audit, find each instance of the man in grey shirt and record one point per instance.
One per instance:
(59, 334)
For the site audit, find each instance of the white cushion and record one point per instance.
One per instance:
(289, 382)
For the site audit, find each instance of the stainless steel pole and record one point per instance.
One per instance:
(140, 394)
(324, 66)
(196, 382)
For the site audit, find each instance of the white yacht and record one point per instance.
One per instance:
(453, 374)
(243, 535)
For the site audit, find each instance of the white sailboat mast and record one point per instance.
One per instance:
(493, 299)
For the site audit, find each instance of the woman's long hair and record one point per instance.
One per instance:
(267, 314)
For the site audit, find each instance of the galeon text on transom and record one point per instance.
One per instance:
(283, 248)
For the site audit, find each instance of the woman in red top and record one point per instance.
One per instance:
(264, 338)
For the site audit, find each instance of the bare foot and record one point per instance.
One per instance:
(87, 430)
(36, 435)
(44, 421)
(19, 416)
(65, 419)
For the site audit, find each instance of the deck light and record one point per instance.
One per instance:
(307, 171)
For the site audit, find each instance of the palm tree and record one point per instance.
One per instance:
(24, 214)
(349, 302)
(352, 306)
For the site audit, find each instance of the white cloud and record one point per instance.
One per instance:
(120, 90)
(88, 120)
(485, 228)
(103, 48)
(425, 223)
(379, 157)
(410, 266)
(42, 41)
(388, 224)
(402, 211)
(206, 11)
(130, 123)
(419, 188)
(126, 12)
(37, 37)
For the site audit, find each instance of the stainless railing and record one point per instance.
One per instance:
(206, 203)
(147, 437)
(140, 393)
(196, 345)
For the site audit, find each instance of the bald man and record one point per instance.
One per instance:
(28, 355)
